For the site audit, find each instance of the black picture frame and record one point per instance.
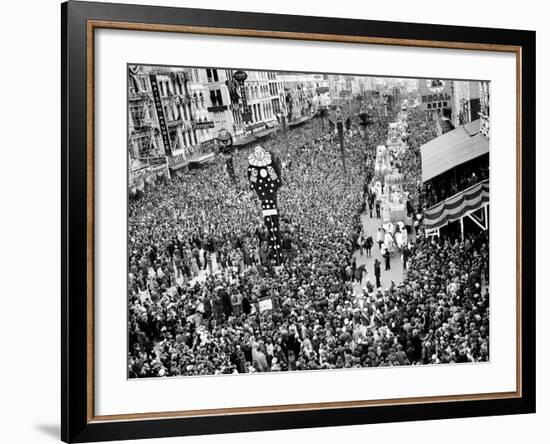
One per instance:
(76, 423)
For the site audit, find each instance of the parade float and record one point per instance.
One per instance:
(387, 185)
(397, 134)
(382, 163)
(393, 204)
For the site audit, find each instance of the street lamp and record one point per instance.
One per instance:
(323, 113)
(225, 145)
(240, 77)
(340, 128)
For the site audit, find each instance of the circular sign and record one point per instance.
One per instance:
(240, 76)
(225, 141)
(435, 85)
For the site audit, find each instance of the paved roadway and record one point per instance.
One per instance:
(370, 227)
(395, 273)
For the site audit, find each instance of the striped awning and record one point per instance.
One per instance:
(457, 206)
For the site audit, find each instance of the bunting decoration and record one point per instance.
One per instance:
(457, 206)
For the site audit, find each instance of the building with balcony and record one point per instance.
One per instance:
(164, 106)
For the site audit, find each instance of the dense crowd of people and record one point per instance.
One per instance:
(446, 185)
(200, 267)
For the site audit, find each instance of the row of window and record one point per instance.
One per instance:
(188, 138)
(261, 111)
(437, 105)
(212, 75)
(258, 91)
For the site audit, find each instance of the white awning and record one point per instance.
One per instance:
(452, 149)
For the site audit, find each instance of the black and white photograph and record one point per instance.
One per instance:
(291, 221)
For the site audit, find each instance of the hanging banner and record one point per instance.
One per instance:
(203, 125)
(240, 77)
(160, 114)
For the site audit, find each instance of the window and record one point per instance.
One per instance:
(144, 144)
(215, 75)
(161, 86)
(209, 75)
(135, 114)
(216, 97)
(144, 83)
(167, 113)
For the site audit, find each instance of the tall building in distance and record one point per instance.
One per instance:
(303, 94)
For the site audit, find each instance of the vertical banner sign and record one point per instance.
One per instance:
(240, 77)
(160, 115)
(225, 142)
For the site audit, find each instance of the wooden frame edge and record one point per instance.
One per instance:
(92, 24)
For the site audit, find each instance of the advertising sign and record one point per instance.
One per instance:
(203, 125)
(435, 94)
(240, 77)
(160, 114)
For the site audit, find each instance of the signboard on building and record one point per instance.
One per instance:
(256, 125)
(209, 144)
(217, 109)
(345, 93)
(158, 160)
(322, 89)
(203, 125)
(160, 114)
(435, 94)
(240, 77)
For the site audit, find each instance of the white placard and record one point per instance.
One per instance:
(117, 395)
(265, 305)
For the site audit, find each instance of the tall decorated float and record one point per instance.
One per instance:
(382, 167)
(397, 134)
(394, 202)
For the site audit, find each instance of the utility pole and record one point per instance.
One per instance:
(225, 144)
(284, 126)
(340, 128)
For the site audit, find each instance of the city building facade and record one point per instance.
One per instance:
(466, 102)
(176, 113)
